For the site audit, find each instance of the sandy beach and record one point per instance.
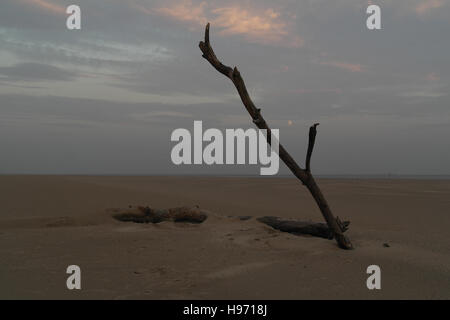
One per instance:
(50, 222)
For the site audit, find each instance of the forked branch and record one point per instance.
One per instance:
(303, 175)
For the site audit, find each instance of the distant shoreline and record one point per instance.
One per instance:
(318, 176)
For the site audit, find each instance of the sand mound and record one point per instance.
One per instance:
(142, 214)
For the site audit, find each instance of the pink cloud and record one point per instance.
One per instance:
(306, 91)
(432, 77)
(258, 26)
(185, 11)
(46, 5)
(264, 27)
(428, 5)
(352, 67)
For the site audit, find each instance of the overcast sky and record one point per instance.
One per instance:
(105, 99)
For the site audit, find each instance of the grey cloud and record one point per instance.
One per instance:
(85, 51)
(30, 71)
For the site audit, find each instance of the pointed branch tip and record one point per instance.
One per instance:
(207, 34)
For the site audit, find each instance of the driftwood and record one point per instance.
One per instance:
(320, 230)
(149, 215)
(304, 175)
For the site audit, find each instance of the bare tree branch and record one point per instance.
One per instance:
(302, 174)
(311, 141)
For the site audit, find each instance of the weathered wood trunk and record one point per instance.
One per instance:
(335, 224)
(298, 227)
